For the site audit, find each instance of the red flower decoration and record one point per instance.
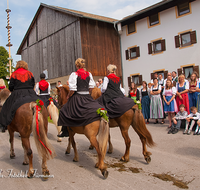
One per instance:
(102, 109)
(41, 102)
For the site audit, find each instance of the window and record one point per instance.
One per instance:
(153, 19)
(156, 46)
(137, 79)
(188, 70)
(131, 28)
(132, 53)
(183, 8)
(185, 39)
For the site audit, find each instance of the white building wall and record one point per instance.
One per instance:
(172, 58)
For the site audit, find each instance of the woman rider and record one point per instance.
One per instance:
(21, 86)
(81, 108)
(113, 97)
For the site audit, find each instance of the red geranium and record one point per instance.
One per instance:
(102, 109)
(41, 102)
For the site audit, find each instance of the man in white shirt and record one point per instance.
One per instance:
(59, 83)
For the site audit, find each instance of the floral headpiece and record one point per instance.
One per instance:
(102, 112)
(39, 103)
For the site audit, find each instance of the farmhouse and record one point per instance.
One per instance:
(58, 36)
(161, 38)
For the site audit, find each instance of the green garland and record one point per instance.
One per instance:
(102, 112)
(39, 103)
(139, 104)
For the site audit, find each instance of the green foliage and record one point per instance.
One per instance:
(102, 112)
(3, 62)
(139, 104)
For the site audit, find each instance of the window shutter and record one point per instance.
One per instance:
(163, 47)
(179, 71)
(196, 69)
(193, 37)
(127, 55)
(138, 51)
(150, 48)
(177, 41)
(152, 75)
(129, 81)
(140, 79)
(165, 74)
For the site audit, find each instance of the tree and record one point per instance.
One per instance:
(3, 62)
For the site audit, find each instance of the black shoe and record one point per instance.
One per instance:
(64, 132)
(195, 133)
(175, 131)
(171, 131)
(156, 122)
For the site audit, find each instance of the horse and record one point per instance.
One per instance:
(25, 122)
(4, 93)
(132, 117)
(99, 127)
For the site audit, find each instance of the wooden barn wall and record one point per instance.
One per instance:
(100, 46)
(57, 47)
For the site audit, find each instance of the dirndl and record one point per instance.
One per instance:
(193, 99)
(172, 107)
(80, 110)
(184, 101)
(14, 101)
(117, 106)
(145, 101)
(156, 107)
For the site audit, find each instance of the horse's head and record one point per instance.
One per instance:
(4, 94)
(62, 93)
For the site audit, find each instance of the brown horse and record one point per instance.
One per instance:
(4, 93)
(24, 122)
(99, 127)
(132, 117)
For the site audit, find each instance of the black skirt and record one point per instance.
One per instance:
(80, 110)
(14, 101)
(45, 99)
(118, 106)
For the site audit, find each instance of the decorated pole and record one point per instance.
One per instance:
(9, 27)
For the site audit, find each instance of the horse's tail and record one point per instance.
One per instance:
(53, 112)
(139, 126)
(103, 136)
(45, 149)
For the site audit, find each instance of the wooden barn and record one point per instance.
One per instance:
(57, 36)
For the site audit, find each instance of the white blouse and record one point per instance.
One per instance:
(105, 84)
(173, 91)
(73, 81)
(37, 90)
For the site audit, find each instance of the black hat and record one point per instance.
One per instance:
(42, 76)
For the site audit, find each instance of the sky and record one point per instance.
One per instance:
(23, 11)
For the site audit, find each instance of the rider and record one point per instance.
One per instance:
(80, 110)
(113, 95)
(43, 89)
(21, 86)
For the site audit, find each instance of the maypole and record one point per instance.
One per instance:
(9, 44)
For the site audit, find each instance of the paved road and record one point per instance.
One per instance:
(176, 155)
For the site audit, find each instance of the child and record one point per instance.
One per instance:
(192, 119)
(178, 119)
(198, 125)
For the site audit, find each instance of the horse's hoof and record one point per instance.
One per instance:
(12, 156)
(46, 172)
(25, 163)
(91, 147)
(67, 152)
(75, 160)
(105, 174)
(109, 151)
(148, 159)
(30, 174)
(96, 165)
(59, 140)
(124, 160)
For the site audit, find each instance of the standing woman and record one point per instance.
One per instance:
(198, 96)
(182, 88)
(170, 105)
(145, 101)
(134, 92)
(192, 90)
(156, 107)
(81, 108)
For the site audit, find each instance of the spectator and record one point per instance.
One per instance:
(100, 82)
(182, 92)
(68, 82)
(134, 92)
(155, 75)
(192, 120)
(169, 77)
(156, 107)
(198, 96)
(59, 83)
(170, 105)
(145, 101)
(193, 84)
(174, 76)
(97, 84)
(178, 120)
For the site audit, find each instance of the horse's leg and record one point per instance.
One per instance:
(68, 147)
(110, 149)
(26, 160)
(71, 136)
(26, 145)
(11, 132)
(127, 140)
(45, 171)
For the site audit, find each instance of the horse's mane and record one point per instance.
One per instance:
(66, 88)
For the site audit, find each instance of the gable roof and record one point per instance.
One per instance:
(66, 11)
